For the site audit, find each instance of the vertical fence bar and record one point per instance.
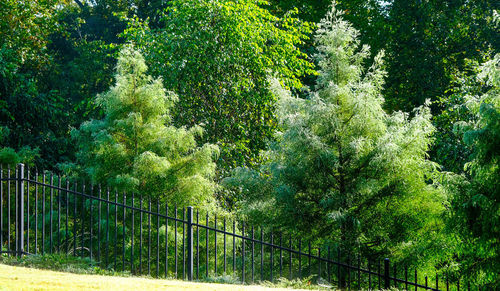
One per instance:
(27, 211)
(20, 211)
(309, 259)
(406, 277)
(82, 217)
(16, 205)
(190, 243)
(140, 235)
(215, 246)
(379, 275)
(66, 236)
(215, 240)
(394, 274)
(166, 239)
(290, 262)
(92, 218)
(348, 271)
(157, 238)
(416, 281)
(328, 265)
(206, 246)
(116, 228)
(437, 282)
(59, 215)
(243, 252)
(175, 239)
(225, 263)
(8, 210)
(75, 188)
(281, 254)
(149, 236)
(43, 214)
(132, 232)
(183, 244)
(261, 254)
(359, 271)
(36, 213)
(1, 208)
(197, 244)
(253, 265)
(369, 275)
(300, 258)
(51, 228)
(234, 247)
(107, 229)
(387, 283)
(319, 263)
(99, 227)
(272, 255)
(123, 230)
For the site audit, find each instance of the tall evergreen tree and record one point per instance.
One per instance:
(343, 168)
(476, 194)
(135, 148)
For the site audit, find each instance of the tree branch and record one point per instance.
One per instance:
(80, 4)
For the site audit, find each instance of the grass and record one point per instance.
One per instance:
(61, 272)
(22, 278)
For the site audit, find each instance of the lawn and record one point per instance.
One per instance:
(22, 278)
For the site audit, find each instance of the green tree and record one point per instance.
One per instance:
(135, 147)
(217, 55)
(476, 195)
(428, 42)
(343, 169)
(34, 114)
(9, 157)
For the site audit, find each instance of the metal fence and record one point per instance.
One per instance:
(42, 214)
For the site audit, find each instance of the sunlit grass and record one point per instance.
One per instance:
(22, 278)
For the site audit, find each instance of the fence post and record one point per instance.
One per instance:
(20, 210)
(190, 243)
(386, 274)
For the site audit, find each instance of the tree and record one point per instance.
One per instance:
(476, 195)
(9, 157)
(34, 115)
(135, 147)
(217, 55)
(428, 42)
(343, 169)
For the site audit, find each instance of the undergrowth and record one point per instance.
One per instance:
(60, 262)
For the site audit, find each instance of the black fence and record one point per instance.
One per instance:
(42, 214)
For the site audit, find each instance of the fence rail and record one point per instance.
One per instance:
(42, 214)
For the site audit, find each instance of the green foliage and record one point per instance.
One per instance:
(34, 114)
(475, 200)
(8, 156)
(134, 148)
(427, 43)
(217, 55)
(299, 283)
(350, 171)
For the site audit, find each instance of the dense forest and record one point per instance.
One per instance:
(373, 125)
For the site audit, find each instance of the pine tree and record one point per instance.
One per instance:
(476, 194)
(343, 168)
(134, 148)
